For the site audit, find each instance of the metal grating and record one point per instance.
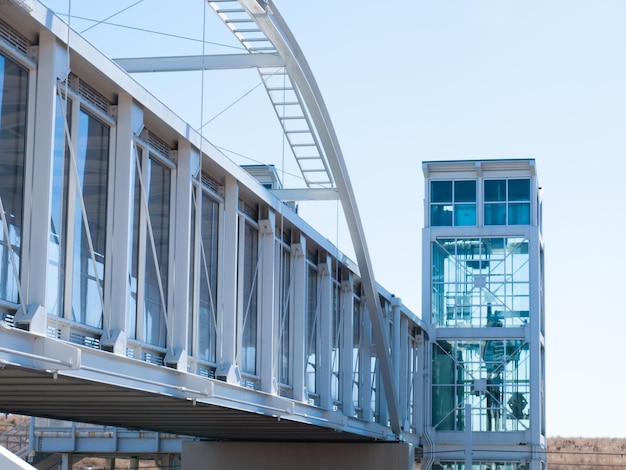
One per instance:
(205, 372)
(158, 145)
(84, 340)
(211, 183)
(13, 38)
(152, 358)
(52, 332)
(249, 210)
(7, 318)
(89, 94)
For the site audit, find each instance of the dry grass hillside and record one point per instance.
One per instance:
(564, 453)
(579, 453)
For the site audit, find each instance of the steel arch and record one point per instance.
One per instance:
(276, 30)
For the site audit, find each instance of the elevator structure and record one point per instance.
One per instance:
(483, 303)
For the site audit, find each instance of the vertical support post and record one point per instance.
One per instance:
(468, 436)
(227, 348)
(299, 319)
(129, 124)
(51, 66)
(325, 317)
(66, 461)
(188, 165)
(396, 350)
(266, 280)
(347, 302)
(406, 376)
(365, 390)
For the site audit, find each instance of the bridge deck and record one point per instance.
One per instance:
(38, 393)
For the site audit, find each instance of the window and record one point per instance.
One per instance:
(453, 203)
(205, 237)
(357, 373)
(78, 229)
(150, 248)
(337, 340)
(312, 328)
(13, 104)
(249, 321)
(507, 202)
(491, 375)
(479, 281)
(284, 274)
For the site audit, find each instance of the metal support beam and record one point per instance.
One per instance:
(199, 62)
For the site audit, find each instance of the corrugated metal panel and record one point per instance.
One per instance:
(36, 393)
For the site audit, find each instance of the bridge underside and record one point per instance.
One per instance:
(38, 393)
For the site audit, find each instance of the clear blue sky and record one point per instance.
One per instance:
(407, 81)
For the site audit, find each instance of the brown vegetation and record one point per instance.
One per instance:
(580, 453)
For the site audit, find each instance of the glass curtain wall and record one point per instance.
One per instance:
(249, 323)
(480, 282)
(13, 107)
(72, 237)
(312, 328)
(357, 339)
(482, 466)
(337, 342)
(285, 275)
(492, 376)
(150, 248)
(205, 239)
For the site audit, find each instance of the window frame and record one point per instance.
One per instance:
(142, 149)
(506, 202)
(454, 203)
(70, 207)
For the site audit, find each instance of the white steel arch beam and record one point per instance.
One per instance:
(274, 27)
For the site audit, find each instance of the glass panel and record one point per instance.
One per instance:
(284, 318)
(311, 331)
(441, 215)
(492, 376)
(207, 285)
(519, 213)
(137, 234)
(495, 190)
(441, 191)
(356, 358)
(159, 188)
(92, 158)
(495, 214)
(464, 214)
(473, 279)
(13, 106)
(519, 190)
(465, 191)
(58, 215)
(336, 343)
(249, 323)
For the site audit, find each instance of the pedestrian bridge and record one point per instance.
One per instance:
(148, 282)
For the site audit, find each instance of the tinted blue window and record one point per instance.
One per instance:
(441, 191)
(519, 213)
(495, 190)
(519, 190)
(465, 191)
(464, 214)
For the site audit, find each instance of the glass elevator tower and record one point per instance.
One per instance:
(484, 307)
